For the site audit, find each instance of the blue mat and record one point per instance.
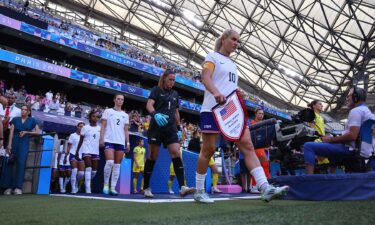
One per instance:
(329, 187)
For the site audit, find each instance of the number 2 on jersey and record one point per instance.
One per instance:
(232, 77)
(118, 122)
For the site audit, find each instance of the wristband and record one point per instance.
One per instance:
(128, 143)
(1, 139)
(178, 127)
(152, 113)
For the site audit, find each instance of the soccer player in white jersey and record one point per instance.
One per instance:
(219, 76)
(64, 169)
(77, 164)
(89, 140)
(114, 137)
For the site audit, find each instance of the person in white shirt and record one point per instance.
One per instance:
(335, 147)
(54, 106)
(78, 165)
(49, 95)
(11, 111)
(220, 78)
(89, 146)
(114, 137)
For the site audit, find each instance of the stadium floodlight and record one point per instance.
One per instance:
(161, 3)
(191, 17)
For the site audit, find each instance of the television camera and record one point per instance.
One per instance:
(286, 139)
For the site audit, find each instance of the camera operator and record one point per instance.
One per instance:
(335, 147)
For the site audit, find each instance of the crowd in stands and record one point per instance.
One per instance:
(77, 32)
(57, 103)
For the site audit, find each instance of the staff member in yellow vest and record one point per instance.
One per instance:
(138, 164)
(319, 126)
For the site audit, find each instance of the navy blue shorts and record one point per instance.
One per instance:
(74, 158)
(207, 123)
(116, 147)
(65, 168)
(93, 156)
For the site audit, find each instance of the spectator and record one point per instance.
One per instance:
(195, 142)
(11, 111)
(54, 106)
(49, 95)
(28, 101)
(58, 97)
(37, 104)
(18, 147)
(134, 123)
(146, 124)
(78, 111)
(68, 109)
(3, 100)
(25, 7)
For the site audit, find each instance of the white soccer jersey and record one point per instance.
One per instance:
(91, 136)
(74, 140)
(116, 121)
(224, 77)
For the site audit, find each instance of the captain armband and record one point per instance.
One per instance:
(209, 65)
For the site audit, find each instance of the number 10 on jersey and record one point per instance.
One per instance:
(232, 77)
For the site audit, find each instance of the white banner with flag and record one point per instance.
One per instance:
(231, 117)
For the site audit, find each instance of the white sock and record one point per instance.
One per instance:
(88, 178)
(115, 176)
(93, 174)
(66, 181)
(199, 181)
(80, 176)
(260, 178)
(61, 183)
(107, 171)
(73, 178)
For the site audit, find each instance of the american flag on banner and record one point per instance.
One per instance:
(228, 110)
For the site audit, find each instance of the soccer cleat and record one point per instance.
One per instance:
(135, 191)
(186, 190)
(113, 192)
(88, 190)
(215, 190)
(62, 191)
(171, 192)
(202, 197)
(271, 192)
(106, 190)
(74, 190)
(8, 191)
(17, 191)
(254, 190)
(148, 193)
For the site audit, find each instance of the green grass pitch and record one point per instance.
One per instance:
(33, 209)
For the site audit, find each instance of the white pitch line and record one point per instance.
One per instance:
(151, 200)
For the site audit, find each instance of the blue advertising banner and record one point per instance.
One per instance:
(118, 58)
(40, 65)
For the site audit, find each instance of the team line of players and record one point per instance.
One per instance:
(80, 160)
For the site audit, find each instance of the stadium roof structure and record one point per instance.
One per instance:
(291, 51)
